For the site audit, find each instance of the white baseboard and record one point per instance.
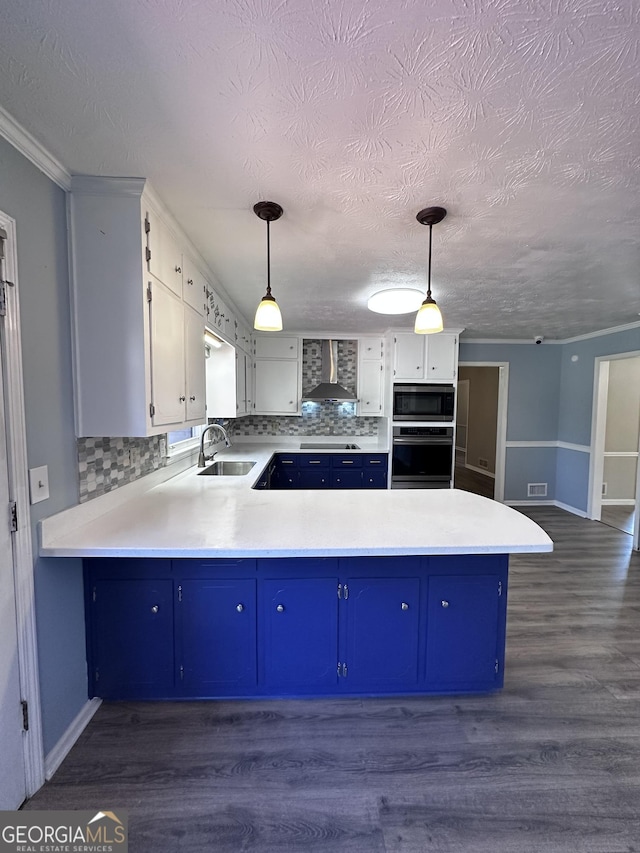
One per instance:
(618, 502)
(572, 509)
(480, 470)
(60, 751)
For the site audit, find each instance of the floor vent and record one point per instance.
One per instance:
(536, 490)
(483, 463)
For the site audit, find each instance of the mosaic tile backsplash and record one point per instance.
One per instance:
(106, 463)
(317, 418)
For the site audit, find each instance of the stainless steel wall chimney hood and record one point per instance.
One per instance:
(329, 389)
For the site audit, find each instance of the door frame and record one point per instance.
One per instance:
(23, 563)
(598, 429)
(501, 420)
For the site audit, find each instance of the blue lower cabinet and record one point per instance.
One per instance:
(465, 639)
(131, 638)
(216, 636)
(315, 478)
(286, 473)
(346, 479)
(299, 634)
(382, 633)
(374, 478)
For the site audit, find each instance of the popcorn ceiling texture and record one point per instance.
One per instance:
(520, 117)
(106, 463)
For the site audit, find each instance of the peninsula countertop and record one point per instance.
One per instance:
(186, 515)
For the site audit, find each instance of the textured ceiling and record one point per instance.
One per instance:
(521, 117)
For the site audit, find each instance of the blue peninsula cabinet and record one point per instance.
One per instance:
(191, 628)
(325, 471)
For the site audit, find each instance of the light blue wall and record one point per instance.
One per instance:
(550, 399)
(577, 379)
(534, 386)
(38, 206)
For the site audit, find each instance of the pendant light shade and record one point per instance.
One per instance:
(429, 318)
(268, 317)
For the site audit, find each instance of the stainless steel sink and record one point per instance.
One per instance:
(226, 468)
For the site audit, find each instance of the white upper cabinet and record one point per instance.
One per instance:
(370, 376)
(164, 256)
(425, 358)
(138, 345)
(194, 286)
(276, 346)
(277, 371)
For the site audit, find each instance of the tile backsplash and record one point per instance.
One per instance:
(106, 463)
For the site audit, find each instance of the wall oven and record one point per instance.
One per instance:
(423, 402)
(422, 457)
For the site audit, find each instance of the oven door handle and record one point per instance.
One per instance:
(423, 441)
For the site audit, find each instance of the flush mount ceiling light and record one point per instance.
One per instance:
(395, 300)
(268, 317)
(429, 318)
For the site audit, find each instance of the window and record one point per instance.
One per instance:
(183, 439)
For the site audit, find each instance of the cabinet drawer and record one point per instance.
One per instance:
(346, 460)
(310, 461)
(375, 460)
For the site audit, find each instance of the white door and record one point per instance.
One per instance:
(12, 762)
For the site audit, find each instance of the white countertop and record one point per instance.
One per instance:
(191, 516)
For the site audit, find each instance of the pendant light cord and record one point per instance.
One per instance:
(429, 272)
(268, 262)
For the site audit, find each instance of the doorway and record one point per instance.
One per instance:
(481, 426)
(22, 763)
(614, 478)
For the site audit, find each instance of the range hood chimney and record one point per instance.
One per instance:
(329, 389)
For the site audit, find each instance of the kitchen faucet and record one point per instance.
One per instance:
(202, 459)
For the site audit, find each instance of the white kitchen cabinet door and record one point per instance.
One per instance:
(276, 346)
(194, 286)
(167, 356)
(241, 383)
(425, 358)
(194, 365)
(164, 255)
(442, 357)
(409, 357)
(370, 387)
(276, 387)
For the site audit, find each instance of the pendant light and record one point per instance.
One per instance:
(429, 318)
(268, 317)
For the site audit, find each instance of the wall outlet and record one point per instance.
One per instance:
(604, 489)
(126, 458)
(163, 447)
(135, 457)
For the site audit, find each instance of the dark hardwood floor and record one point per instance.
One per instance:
(551, 764)
(621, 517)
(472, 481)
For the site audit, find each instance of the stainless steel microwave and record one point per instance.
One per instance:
(423, 402)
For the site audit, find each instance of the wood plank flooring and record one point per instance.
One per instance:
(551, 764)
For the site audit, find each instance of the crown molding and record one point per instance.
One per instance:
(98, 185)
(30, 148)
(612, 331)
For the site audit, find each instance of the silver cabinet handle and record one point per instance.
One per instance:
(404, 605)
(155, 608)
(444, 603)
(240, 608)
(280, 608)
